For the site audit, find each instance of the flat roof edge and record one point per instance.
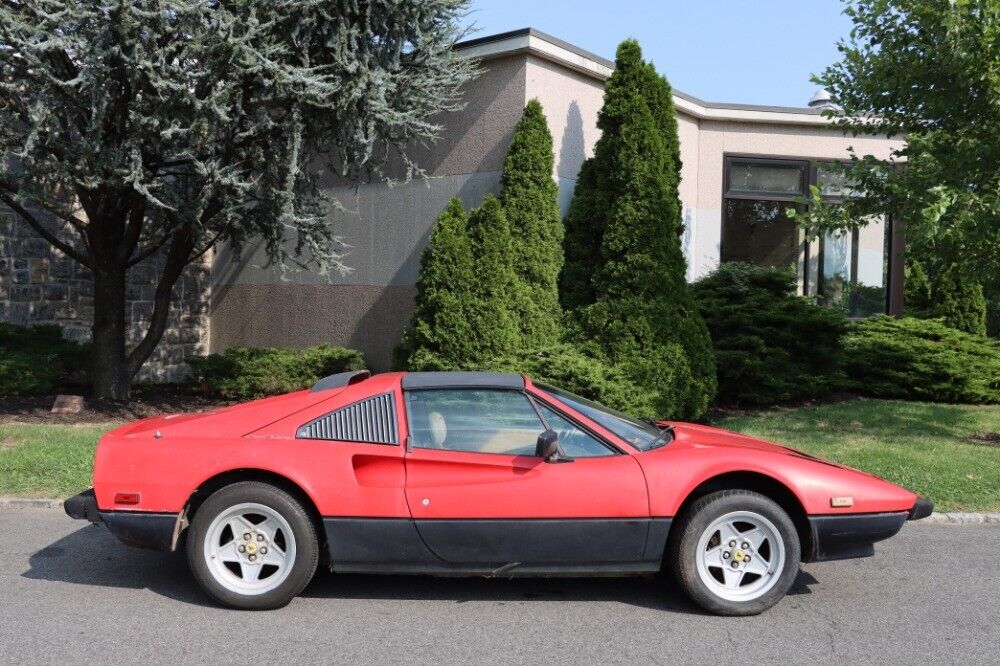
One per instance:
(591, 64)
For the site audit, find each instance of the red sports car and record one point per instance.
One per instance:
(480, 474)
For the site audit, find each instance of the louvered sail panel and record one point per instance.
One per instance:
(370, 420)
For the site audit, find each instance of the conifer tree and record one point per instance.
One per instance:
(138, 130)
(493, 303)
(959, 301)
(582, 242)
(916, 291)
(530, 203)
(440, 336)
(642, 316)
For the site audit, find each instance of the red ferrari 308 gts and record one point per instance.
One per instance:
(480, 474)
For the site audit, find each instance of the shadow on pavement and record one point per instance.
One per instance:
(92, 556)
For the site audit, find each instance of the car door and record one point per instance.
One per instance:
(480, 497)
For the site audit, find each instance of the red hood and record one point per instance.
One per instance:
(700, 436)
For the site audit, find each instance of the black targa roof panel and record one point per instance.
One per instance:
(441, 380)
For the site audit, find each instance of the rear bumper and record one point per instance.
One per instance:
(140, 529)
(848, 536)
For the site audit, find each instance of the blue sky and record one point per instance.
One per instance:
(755, 51)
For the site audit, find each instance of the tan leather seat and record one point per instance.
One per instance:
(437, 428)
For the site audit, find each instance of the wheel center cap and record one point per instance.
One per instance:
(738, 555)
(251, 548)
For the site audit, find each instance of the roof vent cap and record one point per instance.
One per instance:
(821, 99)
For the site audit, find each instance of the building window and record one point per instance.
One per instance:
(847, 271)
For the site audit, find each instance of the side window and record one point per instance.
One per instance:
(372, 420)
(575, 442)
(479, 421)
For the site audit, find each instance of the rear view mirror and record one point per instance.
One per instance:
(548, 447)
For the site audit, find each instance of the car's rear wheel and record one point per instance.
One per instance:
(252, 546)
(736, 552)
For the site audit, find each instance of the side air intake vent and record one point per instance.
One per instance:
(370, 420)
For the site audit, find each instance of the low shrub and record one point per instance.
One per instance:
(249, 372)
(921, 359)
(37, 360)
(574, 370)
(770, 345)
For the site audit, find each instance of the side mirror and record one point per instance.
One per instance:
(548, 448)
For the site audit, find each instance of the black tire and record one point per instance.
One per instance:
(303, 529)
(683, 549)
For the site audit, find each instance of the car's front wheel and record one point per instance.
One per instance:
(736, 552)
(252, 546)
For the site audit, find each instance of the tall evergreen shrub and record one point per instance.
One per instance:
(960, 302)
(951, 297)
(493, 306)
(916, 291)
(625, 273)
(530, 202)
(441, 335)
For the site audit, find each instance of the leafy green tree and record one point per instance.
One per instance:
(132, 129)
(643, 316)
(441, 336)
(926, 71)
(530, 202)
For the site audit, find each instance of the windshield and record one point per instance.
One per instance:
(640, 434)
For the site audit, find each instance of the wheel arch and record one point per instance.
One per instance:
(229, 477)
(766, 485)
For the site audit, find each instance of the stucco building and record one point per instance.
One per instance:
(743, 167)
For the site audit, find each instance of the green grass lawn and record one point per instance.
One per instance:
(39, 460)
(928, 448)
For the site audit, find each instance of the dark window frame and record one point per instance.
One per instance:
(809, 178)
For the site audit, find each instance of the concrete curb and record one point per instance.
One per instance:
(964, 518)
(29, 503)
(936, 518)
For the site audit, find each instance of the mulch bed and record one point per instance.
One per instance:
(145, 401)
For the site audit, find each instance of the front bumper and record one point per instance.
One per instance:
(855, 535)
(847, 536)
(923, 508)
(140, 529)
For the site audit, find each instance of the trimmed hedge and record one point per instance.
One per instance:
(37, 360)
(922, 360)
(771, 346)
(250, 372)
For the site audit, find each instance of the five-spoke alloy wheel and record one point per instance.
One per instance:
(735, 552)
(253, 546)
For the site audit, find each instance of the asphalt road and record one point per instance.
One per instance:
(72, 593)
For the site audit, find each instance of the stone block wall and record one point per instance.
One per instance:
(40, 285)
